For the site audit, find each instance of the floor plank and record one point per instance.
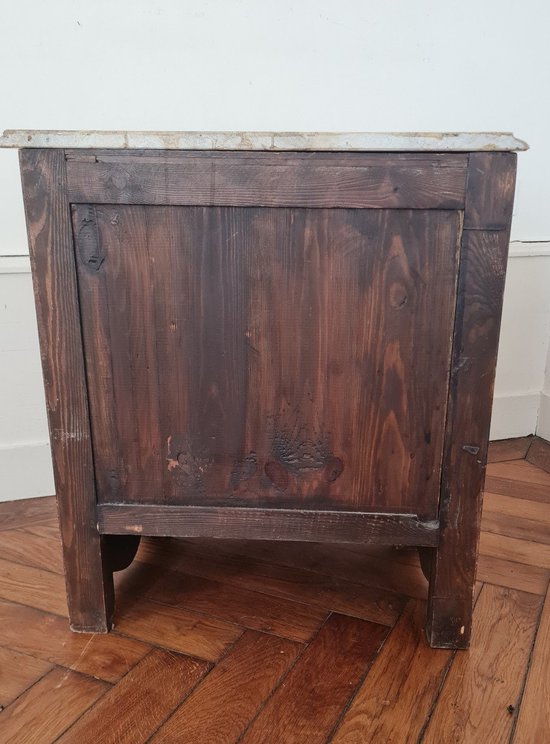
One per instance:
(399, 691)
(31, 549)
(14, 514)
(318, 590)
(539, 454)
(512, 549)
(222, 705)
(509, 449)
(176, 629)
(307, 706)
(42, 713)
(132, 710)
(33, 587)
(524, 529)
(513, 575)
(17, 673)
(522, 471)
(533, 724)
(49, 638)
(253, 610)
(486, 679)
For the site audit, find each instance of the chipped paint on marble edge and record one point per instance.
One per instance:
(267, 141)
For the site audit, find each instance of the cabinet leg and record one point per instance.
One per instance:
(450, 602)
(89, 580)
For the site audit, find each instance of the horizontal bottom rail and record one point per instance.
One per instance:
(266, 524)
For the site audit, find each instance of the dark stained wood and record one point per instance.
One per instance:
(246, 368)
(120, 550)
(480, 287)
(539, 453)
(307, 707)
(88, 579)
(222, 705)
(367, 180)
(267, 524)
(508, 449)
(162, 679)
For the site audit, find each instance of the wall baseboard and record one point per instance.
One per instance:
(514, 415)
(543, 425)
(25, 471)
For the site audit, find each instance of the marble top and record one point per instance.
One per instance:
(270, 141)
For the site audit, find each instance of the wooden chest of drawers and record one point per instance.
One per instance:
(269, 336)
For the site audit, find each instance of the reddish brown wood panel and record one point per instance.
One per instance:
(377, 180)
(267, 357)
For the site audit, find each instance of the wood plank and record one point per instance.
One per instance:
(132, 710)
(307, 706)
(14, 514)
(517, 488)
(512, 549)
(42, 713)
(494, 570)
(533, 723)
(399, 181)
(279, 524)
(539, 454)
(324, 592)
(399, 691)
(33, 587)
(523, 529)
(17, 673)
(176, 629)
(523, 471)
(222, 705)
(517, 508)
(483, 257)
(31, 549)
(485, 680)
(88, 580)
(508, 449)
(234, 604)
(47, 637)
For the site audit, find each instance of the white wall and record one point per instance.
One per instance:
(310, 65)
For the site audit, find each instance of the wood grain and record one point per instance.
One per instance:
(539, 454)
(132, 711)
(248, 609)
(17, 673)
(222, 705)
(176, 629)
(533, 723)
(508, 449)
(472, 707)
(88, 580)
(32, 549)
(307, 706)
(42, 713)
(316, 589)
(400, 689)
(278, 524)
(27, 512)
(367, 180)
(483, 254)
(33, 587)
(280, 394)
(48, 637)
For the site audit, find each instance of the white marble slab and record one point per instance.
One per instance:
(271, 141)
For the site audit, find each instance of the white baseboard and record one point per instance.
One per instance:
(25, 471)
(543, 424)
(514, 415)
